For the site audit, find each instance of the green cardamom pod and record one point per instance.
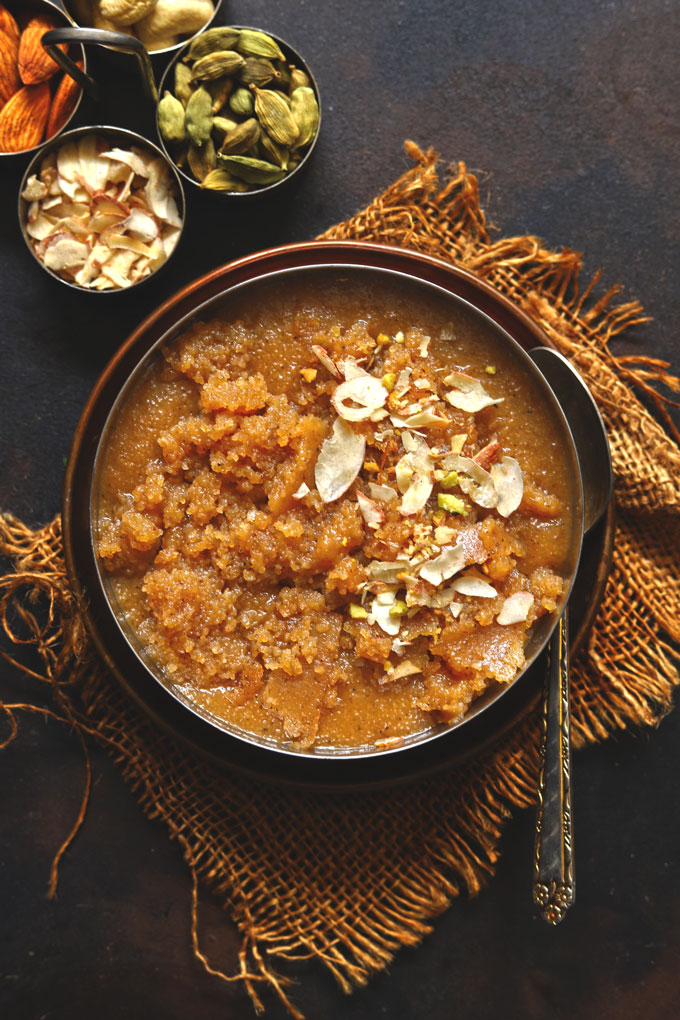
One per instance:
(284, 73)
(222, 180)
(275, 116)
(284, 96)
(210, 41)
(220, 90)
(198, 117)
(273, 152)
(241, 102)
(242, 137)
(171, 119)
(305, 111)
(221, 126)
(298, 79)
(257, 44)
(183, 84)
(258, 71)
(255, 171)
(214, 65)
(202, 161)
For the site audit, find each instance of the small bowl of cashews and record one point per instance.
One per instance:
(161, 25)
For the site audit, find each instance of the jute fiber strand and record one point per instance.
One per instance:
(347, 880)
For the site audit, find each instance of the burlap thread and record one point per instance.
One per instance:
(347, 880)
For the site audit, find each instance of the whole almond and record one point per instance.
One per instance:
(9, 53)
(23, 118)
(8, 25)
(35, 63)
(63, 103)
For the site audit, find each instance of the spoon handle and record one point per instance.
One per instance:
(554, 889)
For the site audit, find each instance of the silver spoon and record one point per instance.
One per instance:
(553, 887)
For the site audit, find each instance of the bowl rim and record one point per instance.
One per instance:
(336, 769)
(265, 189)
(68, 22)
(110, 130)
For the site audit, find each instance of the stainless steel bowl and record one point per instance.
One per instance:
(120, 648)
(266, 189)
(118, 136)
(23, 11)
(70, 8)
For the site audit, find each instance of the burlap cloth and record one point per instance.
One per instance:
(348, 880)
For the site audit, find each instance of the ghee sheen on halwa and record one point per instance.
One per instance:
(331, 515)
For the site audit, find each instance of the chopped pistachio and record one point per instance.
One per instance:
(382, 339)
(389, 380)
(308, 374)
(452, 504)
(370, 465)
(449, 480)
(398, 609)
(357, 612)
(490, 369)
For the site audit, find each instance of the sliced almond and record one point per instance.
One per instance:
(93, 169)
(515, 608)
(357, 398)
(34, 189)
(468, 394)
(66, 253)
(474, 481)
(426, 419)
(444, 566)
(507, 479)
(142, 224)
(131, 159)
(383, 493)
(326, 360)
(339, 462)
(419, 462)
(474, 586)
(370, 511)
(380, 611)
(68, 163)
(405, 668)
(41, 227)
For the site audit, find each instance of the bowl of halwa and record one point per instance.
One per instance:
(326, 512)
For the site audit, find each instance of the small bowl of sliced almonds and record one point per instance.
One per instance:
(239, 111)
(101, 209)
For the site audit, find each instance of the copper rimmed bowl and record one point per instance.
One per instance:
(491, 714)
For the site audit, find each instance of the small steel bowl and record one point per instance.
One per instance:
(70, 6)
(123, 138)
(292, 56)
(493, 714)
(22, 11)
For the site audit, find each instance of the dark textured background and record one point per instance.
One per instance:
(570, 110)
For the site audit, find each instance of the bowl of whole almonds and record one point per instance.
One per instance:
(101, 209)
(239, 111)
(37, 100)
(162, 25)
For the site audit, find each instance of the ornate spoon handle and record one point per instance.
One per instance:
(553, 852)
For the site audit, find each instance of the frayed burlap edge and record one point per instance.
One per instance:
(349, 880)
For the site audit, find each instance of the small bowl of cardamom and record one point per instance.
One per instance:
(239, 111)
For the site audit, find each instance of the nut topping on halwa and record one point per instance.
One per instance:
(333, 540)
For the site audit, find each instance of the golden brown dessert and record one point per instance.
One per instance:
(332, 514)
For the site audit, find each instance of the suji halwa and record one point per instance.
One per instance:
(332, 514)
